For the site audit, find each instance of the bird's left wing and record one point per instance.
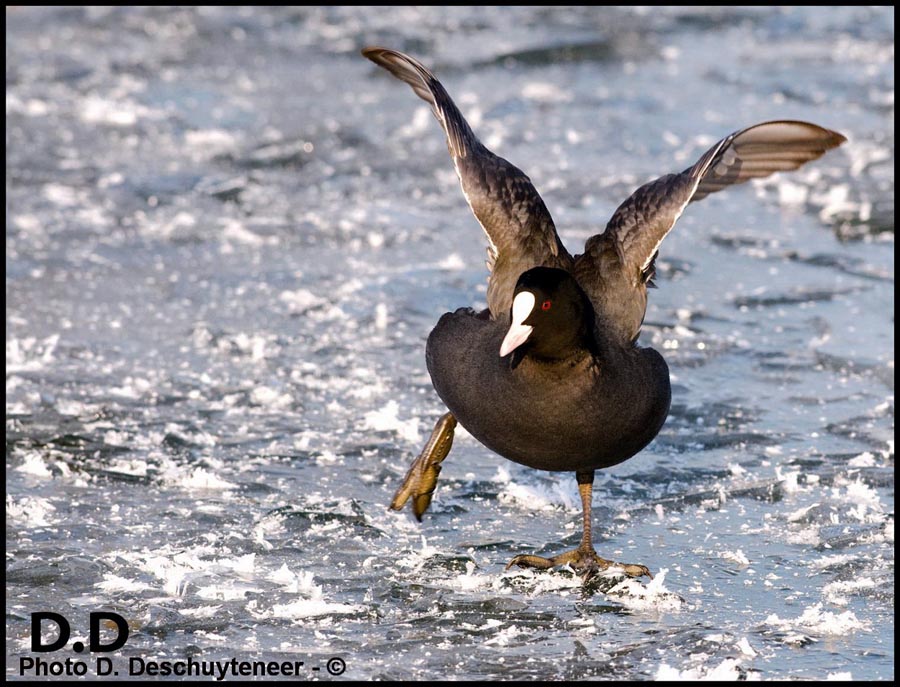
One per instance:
(636, 229)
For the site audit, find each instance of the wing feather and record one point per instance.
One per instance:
(519, 228)
(626, 250)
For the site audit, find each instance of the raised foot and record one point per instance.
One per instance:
(585, 562)
(421, 479)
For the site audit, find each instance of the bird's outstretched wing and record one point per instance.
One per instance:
(627, 249)
(518, 225)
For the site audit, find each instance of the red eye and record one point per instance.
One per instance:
(546, 305)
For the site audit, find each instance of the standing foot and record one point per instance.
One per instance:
(421, 479)
(584, 561)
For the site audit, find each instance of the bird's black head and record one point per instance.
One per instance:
(551, 317)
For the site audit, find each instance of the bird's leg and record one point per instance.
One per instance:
(584, 560)
(421, 479)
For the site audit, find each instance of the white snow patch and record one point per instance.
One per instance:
(301, 300)
(858, 492)
(30, 510)
(792, 194)
(200, 611)
(114, 584)
(67, 406)
(210, 141)
(489, 624)
(836, 559)
(789, 481)
(736, 470)
(835, 201)
(117, 112)
(133, 387)
(114, 438)
(807, 535)
(233, 230)
(257, 346)
(272, 398)
(232, 591)
(744, 647)
(866, 505)
(31, 107)
(308, 608)
(243, 565)
(386, 420)
(420, 123)
(199, 478)
(506, 636)
(639, 597)
(381, 317)
(33, 464)
(800, 514)
(538, 497)
(728, 669)
(821, 622)
(292, 581)
(415, 559)
(737, 556)
(196, 478)
(545, 92)
(62, 195)
(191, 437)
(836, 592)
(29, 354)
(452, 263)
(470, 581)
(863, 460)
(180, 221)
(129, 466)
(312, 605)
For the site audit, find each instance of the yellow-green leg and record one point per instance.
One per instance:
(421, 479)
(584, 560)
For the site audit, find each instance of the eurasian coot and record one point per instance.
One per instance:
(550, 375)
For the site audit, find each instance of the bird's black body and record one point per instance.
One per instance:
(551, 375)
(583, 412)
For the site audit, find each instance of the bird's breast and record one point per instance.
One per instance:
(566, 415)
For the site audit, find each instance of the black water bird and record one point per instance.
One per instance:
(550, 375)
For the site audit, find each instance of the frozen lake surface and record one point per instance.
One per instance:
(228, 236)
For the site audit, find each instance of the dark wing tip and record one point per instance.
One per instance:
(789, 133)
(378, 54)
(820, 132)
(836, 138)
(828, 137)
(373, 51)
(395, 61)
(383, 57)
(418, 77)
(760, 150)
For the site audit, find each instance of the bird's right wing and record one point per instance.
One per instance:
(518, 225)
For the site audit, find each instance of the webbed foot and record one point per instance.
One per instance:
(583, 561)
(421, 479)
